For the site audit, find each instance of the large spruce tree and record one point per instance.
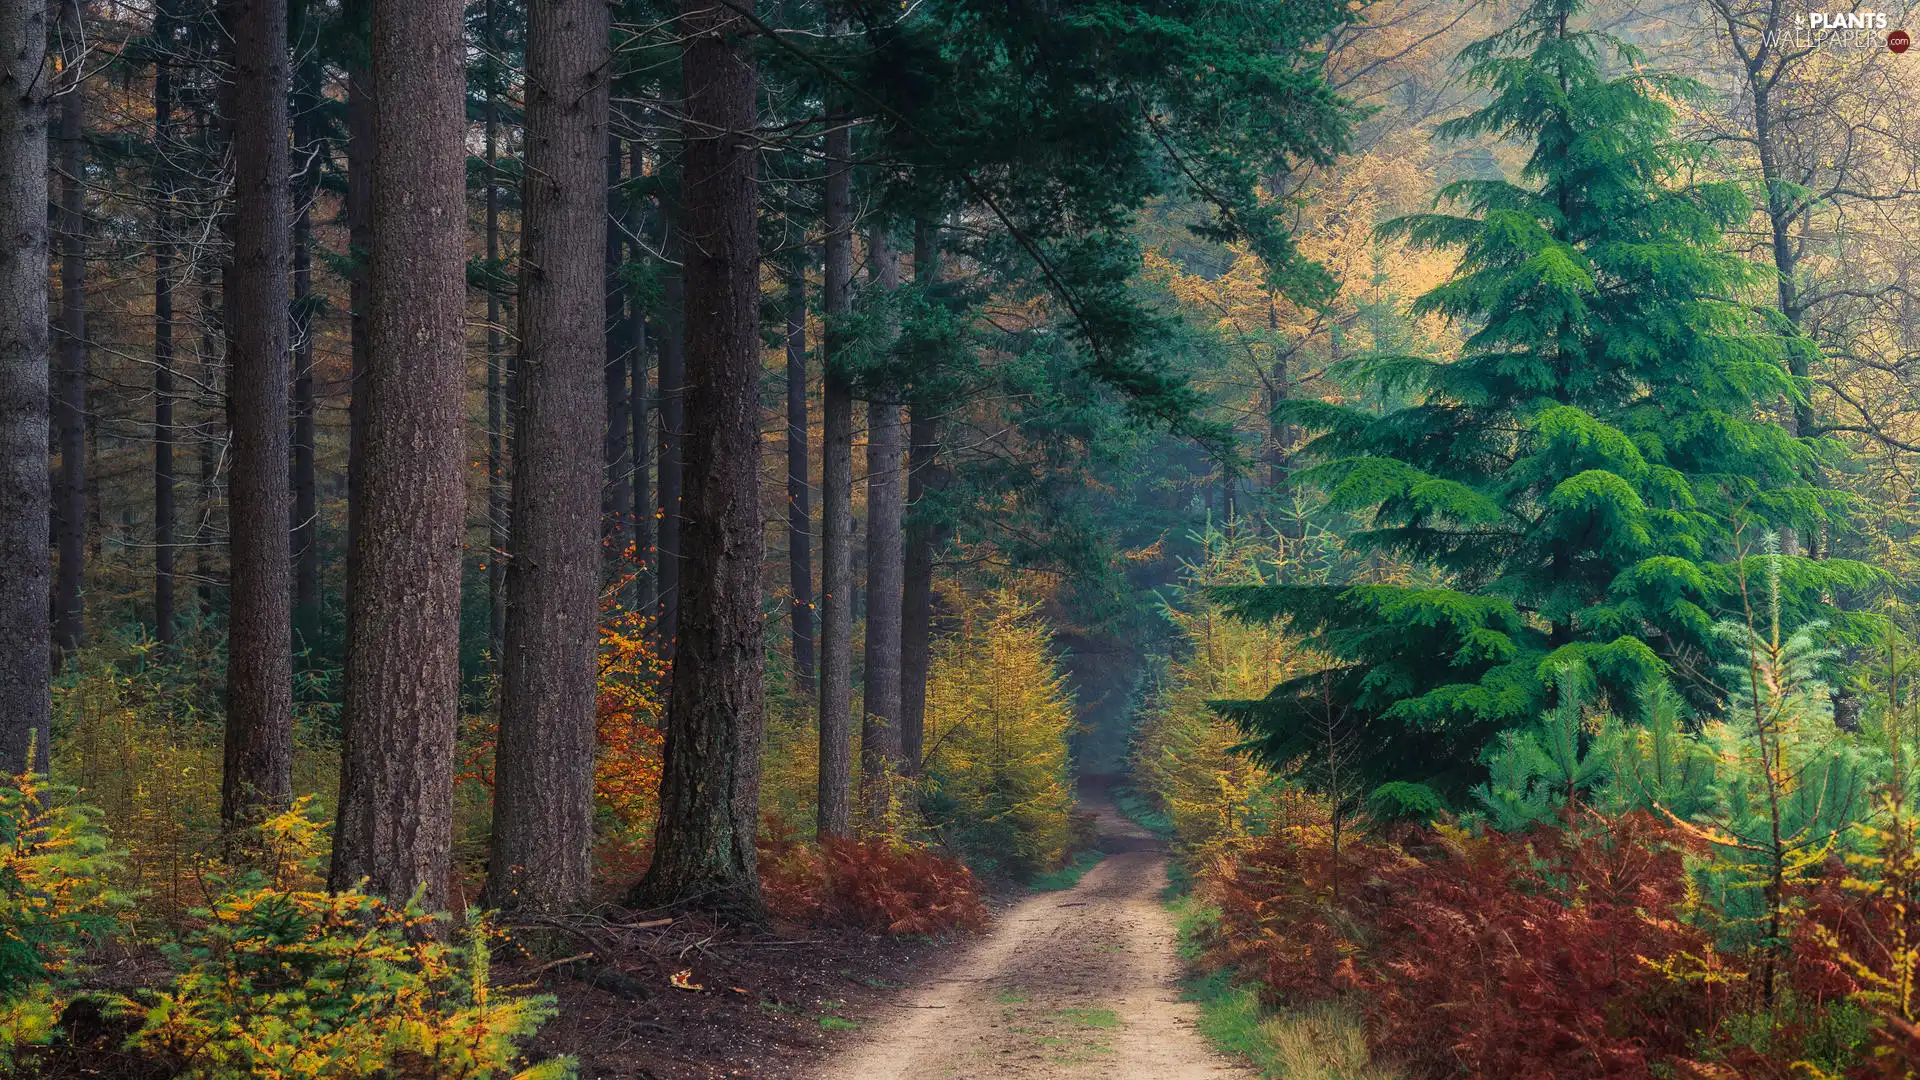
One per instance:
(1583, 480)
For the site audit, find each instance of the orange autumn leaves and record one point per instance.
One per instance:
(628, 739)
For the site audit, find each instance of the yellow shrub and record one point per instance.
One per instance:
(127, 737)
(55, 903)
(282, 980)
(997, 721)
(1183, 755)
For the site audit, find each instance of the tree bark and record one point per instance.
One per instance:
(834, 813)
(799, 515)
(259, 736)
(923, 535)
(543, 776)
(496, 375)
(1785, 262)
(359, 211)
(709, 793)
(163, 503)
(616, 502)
(210, 431)
(25, 491)
(403, 640)
(673, 422)
(70, 377)
(212, 355)
(306, 523)
(637, 407)
(880, 743)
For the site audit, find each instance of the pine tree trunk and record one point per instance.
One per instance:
(403, 639)
(259, 742)
(672, 378)
(359, 213)
(543, 775)
(835, 802)
(637, 406)
(923, 537)
(163, 503)
(799, 514)
(496, 375)
(70, 377)
(25, 491)
(210, 430)
(880, 742)
(306, 524)
(616, 502)
(213, 377)
(709, 792)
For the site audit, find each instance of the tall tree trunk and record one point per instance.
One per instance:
(709, 792)
(799, 515)
(880, 742)
(25, 491)
(496, 373)
(1780, 213)
(360, 104)
(543, 775)
(923, 534)
(259, 743)
(616, 502)
(163, 504)
(835, 802)
(673, 423)
(70, 385)
(637, 406)
(306, 508)
(212, 357)
(403, 640)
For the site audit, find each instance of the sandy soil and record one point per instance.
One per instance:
(1068, 984)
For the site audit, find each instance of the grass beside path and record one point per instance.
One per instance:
(1322, 1041)
(1141, 811)
(1069, 875)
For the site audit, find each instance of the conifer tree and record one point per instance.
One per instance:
(24, 491)
(1580, 477)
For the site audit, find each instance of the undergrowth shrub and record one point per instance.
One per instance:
(1564, 954)
(629, 701)
(56, 903)
(1184, 755)
(1860, 942)
(627, 727)
(138, 736)
(874, 884)
(996, 787)
(282, 980)
(790, 760)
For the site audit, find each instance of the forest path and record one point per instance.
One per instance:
(1072, 984)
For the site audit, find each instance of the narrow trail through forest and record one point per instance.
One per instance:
(1079, 983)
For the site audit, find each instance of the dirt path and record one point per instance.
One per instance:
(1067, 984)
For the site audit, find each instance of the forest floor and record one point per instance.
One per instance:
(769, 1004)
(1078, 983)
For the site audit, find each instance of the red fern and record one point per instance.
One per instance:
(1542, 955)
(871, 885)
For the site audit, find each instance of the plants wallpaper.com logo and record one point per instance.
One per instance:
(1840, 30)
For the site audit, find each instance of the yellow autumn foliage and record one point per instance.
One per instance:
(998, 717)
(1183, 752)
